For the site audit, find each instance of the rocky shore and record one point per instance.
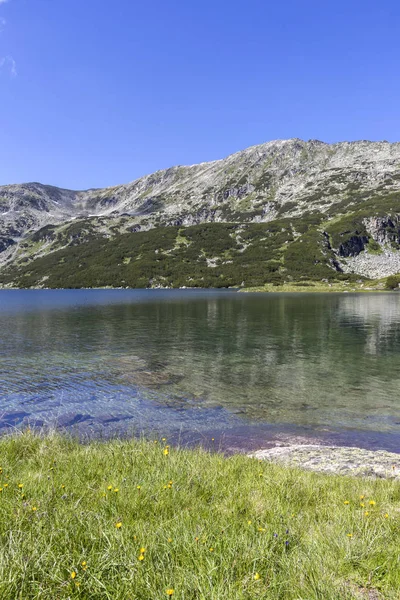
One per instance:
(335, 459)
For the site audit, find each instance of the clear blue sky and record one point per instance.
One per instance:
(107, 91)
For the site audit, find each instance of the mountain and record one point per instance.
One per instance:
(286, 210)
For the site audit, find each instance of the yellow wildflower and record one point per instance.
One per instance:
(372, 502)
(362, 497)
(362, 504)
(169, 540)
(248, 522)
(196, 539)
(166, 451)
(5, 485)
(1, 489)
(346, 502)
(84, 563)
(73, 575)
(34, 508)
(349, 535)
(20, 485)
(118, 525)
(170, 592)
(141, 557)
(257, 576)
(142, 550)
(116, 490)
(261, 529)
(109, 488)
(211, 549)
(386, 515)
(62, 486)
(366, 513)
(77, 584)
(164, 439)
(138, 487)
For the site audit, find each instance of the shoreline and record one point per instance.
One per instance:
(301, 453)
(292, 288)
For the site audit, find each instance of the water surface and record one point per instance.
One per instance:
(246, 369)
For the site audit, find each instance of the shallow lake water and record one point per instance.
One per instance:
(249, 370)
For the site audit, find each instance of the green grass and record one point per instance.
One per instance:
(374, 247)
(208, 524)
(374, 285)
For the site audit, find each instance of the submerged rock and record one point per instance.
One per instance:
(150, 378)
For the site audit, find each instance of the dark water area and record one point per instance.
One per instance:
(249, 370)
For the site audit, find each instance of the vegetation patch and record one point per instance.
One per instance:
(393, 282)
(374, 247)
(244, 254)
(140, 519)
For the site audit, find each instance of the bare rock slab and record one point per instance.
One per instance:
(335, 459)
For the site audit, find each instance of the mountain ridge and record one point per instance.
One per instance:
(254, 147)
(312, 185)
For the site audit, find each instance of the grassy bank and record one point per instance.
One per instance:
(138, 520)
(373, 285)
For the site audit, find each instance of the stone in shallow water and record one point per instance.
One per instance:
(149, 378)
(69, 420)
(13, 418)
(126, 362)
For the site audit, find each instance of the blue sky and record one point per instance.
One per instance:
(96, 93)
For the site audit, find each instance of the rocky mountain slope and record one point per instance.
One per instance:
(287, 209)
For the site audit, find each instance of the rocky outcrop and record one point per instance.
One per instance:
(6, 243)
(353, 246)
(384, 230)
(373, 266)
(376, 254)
(334, 459)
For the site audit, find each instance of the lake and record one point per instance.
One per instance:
(249, 370)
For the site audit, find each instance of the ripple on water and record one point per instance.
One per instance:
(204, 362)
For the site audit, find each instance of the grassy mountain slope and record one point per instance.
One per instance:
(281, 212)
(207, 255)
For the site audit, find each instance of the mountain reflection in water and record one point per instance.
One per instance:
(102, 361)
